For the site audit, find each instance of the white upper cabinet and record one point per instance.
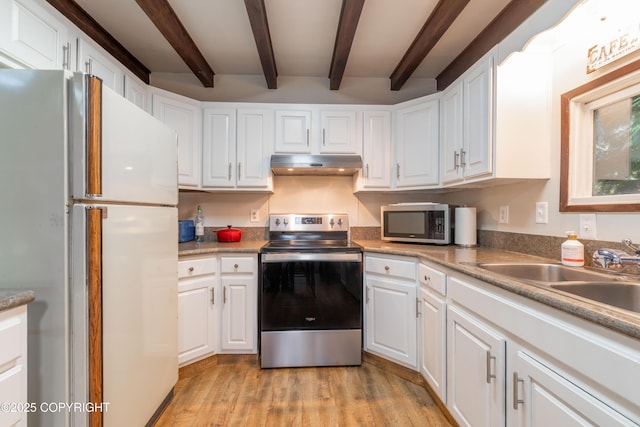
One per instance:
(311, 129)
(254, 148)
(184, 115)
(218, 147)
(136, 92)
(293, 131)
(339, 132)
(417, 130)
(376, 151)
(92, 61)
(451, 123)
(237, 145)
(32, 37)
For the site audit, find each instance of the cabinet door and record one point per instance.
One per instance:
(476, 158)
(376, 150)
(32, 36)
(432, 338)
(92, 61)
(540, 397)
(417, 145)
(390, 323)
(451, 133)
(196, 318)
(293, 132)
(339, 132)
(238, 314)
(254, 147)
(136, 92)
(475, 371)
(185, 118)
(219, 148)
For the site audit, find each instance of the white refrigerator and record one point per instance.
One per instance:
(88, 221)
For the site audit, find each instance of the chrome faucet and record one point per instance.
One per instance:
(611, 258)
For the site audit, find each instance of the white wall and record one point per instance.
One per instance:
(568, 64)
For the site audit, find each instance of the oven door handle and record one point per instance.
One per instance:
(302, 256)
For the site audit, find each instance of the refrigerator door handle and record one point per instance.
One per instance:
(94, 136)
(94, 217)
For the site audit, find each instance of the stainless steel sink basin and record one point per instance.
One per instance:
(618, 294)
(543, 272)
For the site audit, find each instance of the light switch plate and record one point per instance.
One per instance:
(542, 213)
(503, 217)
(587, 226)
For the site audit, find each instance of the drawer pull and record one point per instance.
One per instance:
(213, 296)
(387, 268)
(235, 266)
(426, 278)
(489, 374)
(190, 269)
(516, 399)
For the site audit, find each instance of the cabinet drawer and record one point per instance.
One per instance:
(242, 264)
(405, 269)
(433, 279)
(191, 267)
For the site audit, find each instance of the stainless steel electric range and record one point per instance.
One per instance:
(310, 293)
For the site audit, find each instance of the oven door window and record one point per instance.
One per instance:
(308, 295)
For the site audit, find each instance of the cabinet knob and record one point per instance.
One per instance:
(426, 278)
(387, 268)
(235, 266)
(190, 269)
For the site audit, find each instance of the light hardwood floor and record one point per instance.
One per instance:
(236, 392)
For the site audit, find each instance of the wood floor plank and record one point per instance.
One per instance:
(239, 393)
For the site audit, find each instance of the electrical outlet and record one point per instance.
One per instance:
(503, 218)
(587, 226)
(255, 215)
(542, 213)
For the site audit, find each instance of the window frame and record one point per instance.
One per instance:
(580, 160)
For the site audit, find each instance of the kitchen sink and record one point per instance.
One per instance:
(543, 272)
(618, 294)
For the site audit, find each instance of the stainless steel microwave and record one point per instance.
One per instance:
(417, 223)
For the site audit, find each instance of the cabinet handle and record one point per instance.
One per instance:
(224, 294)
(229, 171)
(89, 65)
(516, 400)
(66, 56)
(427, 278)
(417, 307)
(489, 374)
(456, 155)
(235, 266)
(463, 156)
(239, 166)
(366, 171)
(367, 289)
(307, 137)
(323, 137)
(398, 170)
(190, 269)
(213, 296)
(387, 268)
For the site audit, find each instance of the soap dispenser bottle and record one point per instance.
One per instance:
(572, 251)
(199, 225)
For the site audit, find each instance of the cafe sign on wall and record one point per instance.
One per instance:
(613, 48)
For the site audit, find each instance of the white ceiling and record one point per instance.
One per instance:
(302, 33)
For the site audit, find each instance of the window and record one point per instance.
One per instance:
(600, 144)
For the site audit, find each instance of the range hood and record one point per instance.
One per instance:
(307, 164)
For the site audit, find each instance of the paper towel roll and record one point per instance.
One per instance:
(465, 228)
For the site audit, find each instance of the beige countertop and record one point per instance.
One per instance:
(194, 248)
(11, 298)
(456, 258)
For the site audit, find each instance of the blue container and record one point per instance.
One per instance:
(187, 230)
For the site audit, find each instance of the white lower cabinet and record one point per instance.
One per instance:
(476, 361)
(13, 366)
(540, 396)
(432, 329)
(391, 308)
(239, 303)
(197, 308)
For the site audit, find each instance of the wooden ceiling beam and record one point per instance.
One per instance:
(165, 19)
(260, 26)
(443, 15)
(81, 19)
(513, 14)
(347, 25)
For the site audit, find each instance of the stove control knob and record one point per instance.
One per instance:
(340, 222)
(286, 221)
(331, 222)
(277, 221)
